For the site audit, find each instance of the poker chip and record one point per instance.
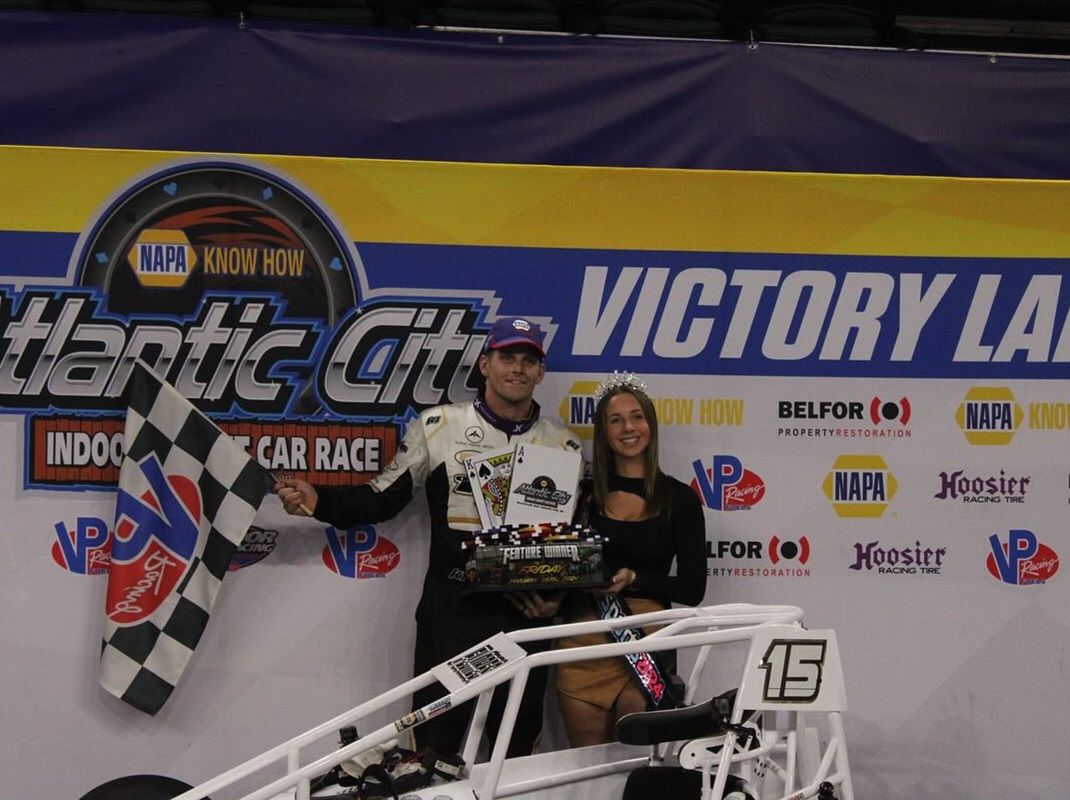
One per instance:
(523, 535)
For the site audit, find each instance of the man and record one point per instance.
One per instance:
(431, 456)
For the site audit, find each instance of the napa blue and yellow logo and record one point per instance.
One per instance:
(162, 258)
(577, 408)
(989, 415)
(860, 486)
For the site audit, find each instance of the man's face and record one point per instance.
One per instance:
(512, 373)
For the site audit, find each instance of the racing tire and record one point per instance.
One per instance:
(656, 783)
(139, 787)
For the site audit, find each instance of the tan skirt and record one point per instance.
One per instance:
(601, 680)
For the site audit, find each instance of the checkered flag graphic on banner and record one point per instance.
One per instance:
(187, 495)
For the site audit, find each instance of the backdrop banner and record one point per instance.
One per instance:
(860, 376)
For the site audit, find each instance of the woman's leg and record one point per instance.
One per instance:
(631, 700)
(585, 723)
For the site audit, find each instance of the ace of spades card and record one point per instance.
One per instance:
(542, 487)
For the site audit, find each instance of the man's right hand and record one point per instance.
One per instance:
(533, 605)
(298, 497)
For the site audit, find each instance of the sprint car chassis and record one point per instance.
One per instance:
(783, 734)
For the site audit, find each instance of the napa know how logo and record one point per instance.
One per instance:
(989, 415)
(578, 407)
(162, 258)
(859, 486)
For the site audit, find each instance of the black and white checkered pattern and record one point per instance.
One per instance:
(142, 662)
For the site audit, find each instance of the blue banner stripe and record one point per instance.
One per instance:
(35, 255)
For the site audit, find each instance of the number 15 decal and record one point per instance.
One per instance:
(793, 670)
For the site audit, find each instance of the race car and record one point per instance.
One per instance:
(776, 734)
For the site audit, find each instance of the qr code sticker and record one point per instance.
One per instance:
(477, 663)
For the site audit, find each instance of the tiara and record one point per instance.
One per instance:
(618, 380)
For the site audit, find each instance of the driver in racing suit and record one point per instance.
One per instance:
(432, 456)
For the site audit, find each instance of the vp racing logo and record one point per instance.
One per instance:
(1021, 559)
(84, 548)
(154, 542)
(727, 485)
(360, 553)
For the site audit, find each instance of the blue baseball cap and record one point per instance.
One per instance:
(510, 331)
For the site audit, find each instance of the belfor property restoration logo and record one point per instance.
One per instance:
(875, 417)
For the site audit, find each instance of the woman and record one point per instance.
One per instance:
(650, 520)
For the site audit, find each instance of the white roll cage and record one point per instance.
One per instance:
(790, 673)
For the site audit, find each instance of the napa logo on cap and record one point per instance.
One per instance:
(860, 486)
(989, 415)
(162, 258)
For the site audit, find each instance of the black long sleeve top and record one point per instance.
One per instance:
(648, 547)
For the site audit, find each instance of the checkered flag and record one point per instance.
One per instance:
(187, 495)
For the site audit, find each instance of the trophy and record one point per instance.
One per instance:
(526, 498)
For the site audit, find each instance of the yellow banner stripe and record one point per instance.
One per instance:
(63, 189)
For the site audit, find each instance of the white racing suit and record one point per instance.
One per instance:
(432, 456)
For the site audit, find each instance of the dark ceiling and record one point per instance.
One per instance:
(1028, 26)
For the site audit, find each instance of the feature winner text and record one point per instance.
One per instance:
(538, 552)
